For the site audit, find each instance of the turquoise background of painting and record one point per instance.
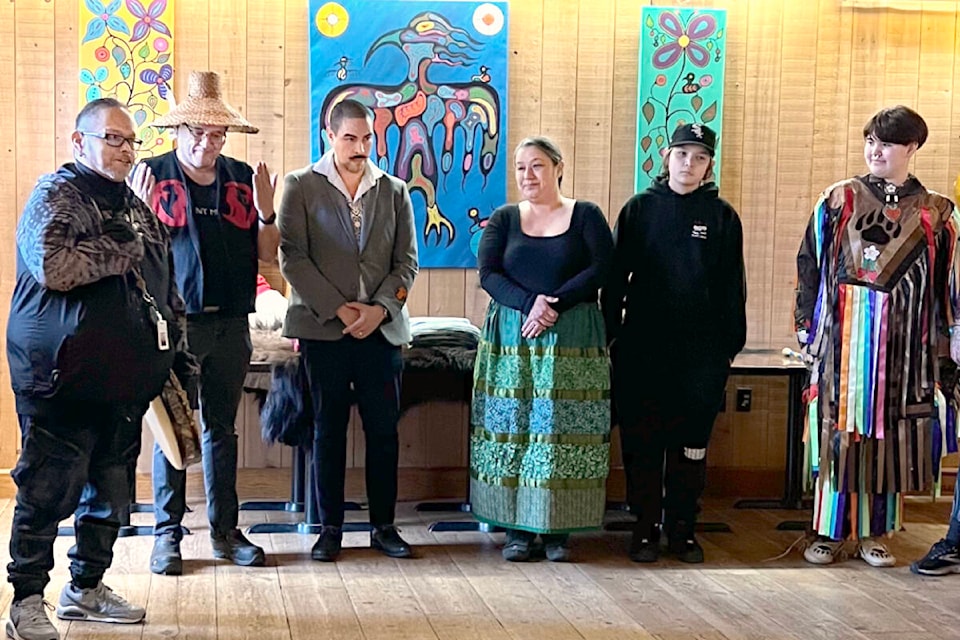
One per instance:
(647, 87)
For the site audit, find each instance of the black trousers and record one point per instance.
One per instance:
(665, 479)
(79, 462)
(222, 348)
(373, 368)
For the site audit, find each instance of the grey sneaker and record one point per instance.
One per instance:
(28, 620)
(99, 604)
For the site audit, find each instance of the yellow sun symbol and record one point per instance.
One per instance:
(332, 20)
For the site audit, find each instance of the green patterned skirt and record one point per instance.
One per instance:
(540, 423)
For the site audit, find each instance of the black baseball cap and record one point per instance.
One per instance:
(695, 133)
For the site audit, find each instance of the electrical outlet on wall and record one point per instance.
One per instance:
(744, 398)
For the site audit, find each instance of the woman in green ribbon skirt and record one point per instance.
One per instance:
(541, 401)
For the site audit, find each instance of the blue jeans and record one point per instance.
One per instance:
(222, 348)
(80, 462)
(373, 368)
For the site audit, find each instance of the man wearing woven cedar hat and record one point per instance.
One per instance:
(220, 215)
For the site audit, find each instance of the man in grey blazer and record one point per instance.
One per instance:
(348, 249)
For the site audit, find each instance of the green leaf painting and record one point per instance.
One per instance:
(682, 56)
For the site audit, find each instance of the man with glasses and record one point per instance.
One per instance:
(221, 219)
(95, 327)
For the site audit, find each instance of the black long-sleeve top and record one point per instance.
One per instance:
(515, 268)
(677, 288)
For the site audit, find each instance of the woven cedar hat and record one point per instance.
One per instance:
(205, 106)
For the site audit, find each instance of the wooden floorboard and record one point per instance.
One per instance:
(458, 587)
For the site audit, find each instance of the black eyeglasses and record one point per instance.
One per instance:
(115, 139)
(216, 138)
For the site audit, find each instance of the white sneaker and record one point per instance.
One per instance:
(823, 551)
(99, 604)
(875, 553)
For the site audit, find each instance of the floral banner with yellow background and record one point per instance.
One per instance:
(682, 54)
(126, 52)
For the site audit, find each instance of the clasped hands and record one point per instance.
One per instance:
(541, 317)
(360, 319)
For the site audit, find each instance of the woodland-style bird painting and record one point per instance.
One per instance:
(434, 76)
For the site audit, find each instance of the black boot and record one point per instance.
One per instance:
(235, 547)
(165, 558)
(645, 543)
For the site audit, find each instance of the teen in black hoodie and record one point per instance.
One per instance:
(675, 316)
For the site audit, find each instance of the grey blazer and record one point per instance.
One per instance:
(320, 259)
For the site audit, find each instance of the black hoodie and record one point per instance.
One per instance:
(675, 307)
(677, 290)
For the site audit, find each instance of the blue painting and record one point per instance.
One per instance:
(682, 55)
(435, 76)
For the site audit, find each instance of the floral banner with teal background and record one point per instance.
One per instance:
(682, 54)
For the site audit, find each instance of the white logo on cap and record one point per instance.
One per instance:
(697, 131)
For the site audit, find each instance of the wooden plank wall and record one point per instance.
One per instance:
(801, 79)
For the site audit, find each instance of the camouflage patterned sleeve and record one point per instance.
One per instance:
(59, 236)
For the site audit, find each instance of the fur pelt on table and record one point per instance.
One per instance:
(458, 359)
(270, 346)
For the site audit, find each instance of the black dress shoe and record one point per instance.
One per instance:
(387, 539)
(165, 558)
(235, 547)
(328, 544)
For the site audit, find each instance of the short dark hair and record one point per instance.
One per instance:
(898, 125)
(348, 109)
(547, 146)
(92, 108)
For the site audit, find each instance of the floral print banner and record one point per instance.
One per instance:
(682, 55)
(126, 52)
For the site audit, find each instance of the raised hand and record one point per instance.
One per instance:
(143, 182)
(264, 188)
